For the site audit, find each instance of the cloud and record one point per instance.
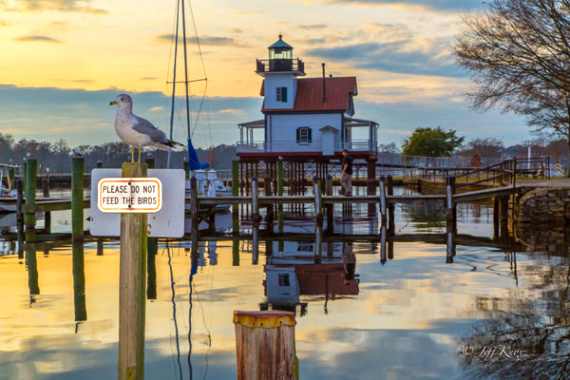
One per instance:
(437, 5)
(235, 30)
(37, 39)
(85, 115)
(204, 40)
(434, 58)
(83, 6)
(232, 111)
(312, 26)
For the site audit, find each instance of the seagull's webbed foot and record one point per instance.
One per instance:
(132, 154)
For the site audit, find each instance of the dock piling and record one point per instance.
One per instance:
(235, 193)
(30, 205)
(265, 345)
(318, 200)
(77, 183)
(280, 193)
(330, 207)
(383, 199)
(255, 201)
(20, 211)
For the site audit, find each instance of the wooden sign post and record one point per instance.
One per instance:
(132, 286)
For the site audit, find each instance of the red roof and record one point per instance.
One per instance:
(310, 94)
(318, 280)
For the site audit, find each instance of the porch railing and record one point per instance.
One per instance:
(293, 147)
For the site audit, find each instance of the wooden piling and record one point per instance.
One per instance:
(30, 205)
(254, 201)
(391, 207)
(152, 249)
(235, 192)
(269, 213)
(330, 207)
(496, 218)
(383, 244)
(235, 253)
(383, 199)
(132, 286)
(450, 247)
(77, 183)
(47, 214)
(504, 204)
(11, 177)
(78, 263)
(449, 204)
(45, 187)
(194, 202)
(255, 244)
(318, 200)
(280, 193)
(32, 264)
(265, 345)
(20, 211)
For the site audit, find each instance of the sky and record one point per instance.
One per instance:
(63, 61)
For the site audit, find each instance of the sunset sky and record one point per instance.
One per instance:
(62, 62)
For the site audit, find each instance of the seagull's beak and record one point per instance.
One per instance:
(113, 103)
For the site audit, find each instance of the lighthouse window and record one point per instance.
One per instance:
(304, 135)
(282, 94)
(284, 279)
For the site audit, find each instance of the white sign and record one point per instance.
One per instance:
(166, 223)
(130, 195)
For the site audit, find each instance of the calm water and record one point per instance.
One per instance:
(414, 316)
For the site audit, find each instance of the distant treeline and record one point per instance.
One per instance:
(56, 156)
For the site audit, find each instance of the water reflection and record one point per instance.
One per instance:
(390, 303)
(297, 272)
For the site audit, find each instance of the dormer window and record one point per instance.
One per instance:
(281, 94)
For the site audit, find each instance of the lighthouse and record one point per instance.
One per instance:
(306, 121)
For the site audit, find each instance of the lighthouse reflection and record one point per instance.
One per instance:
(300, 272)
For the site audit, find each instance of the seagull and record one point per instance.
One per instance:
(136, 131)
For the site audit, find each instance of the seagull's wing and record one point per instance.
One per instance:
(145, 127)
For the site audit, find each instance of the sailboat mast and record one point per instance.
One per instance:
(186, 70)
(174, 80)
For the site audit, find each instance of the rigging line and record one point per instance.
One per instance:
(174, 309)
(197, 38)
(174, 78)
(208, 119)
(185, 67)
(199, 110)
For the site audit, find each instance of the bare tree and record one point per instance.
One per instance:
(519, 54)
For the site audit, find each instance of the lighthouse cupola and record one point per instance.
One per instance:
(280, 60)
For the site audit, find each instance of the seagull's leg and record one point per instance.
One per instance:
(139, 154)
(132, 154)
